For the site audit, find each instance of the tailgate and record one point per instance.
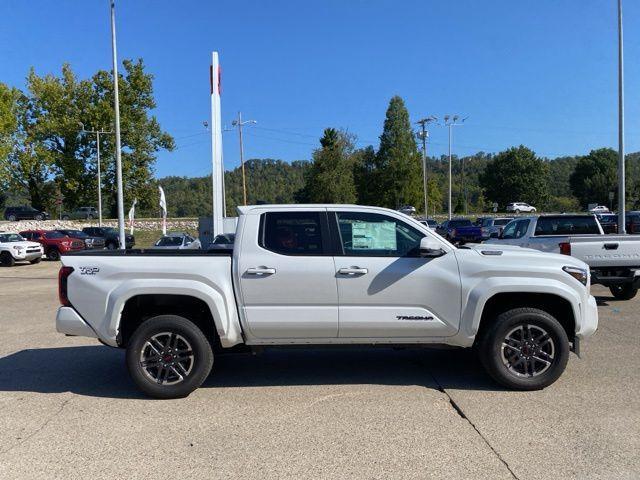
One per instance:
(607, 251)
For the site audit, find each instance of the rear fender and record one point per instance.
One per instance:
(221, 304)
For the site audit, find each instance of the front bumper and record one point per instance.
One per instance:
(70, 323)
(589, 323)
(27, 256)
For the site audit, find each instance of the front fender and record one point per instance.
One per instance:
(478, 296)
(220, 303)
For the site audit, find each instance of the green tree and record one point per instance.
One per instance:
(330, 179)
(595, 175)
(398, 166)
(516, 175)
(365, 175)
(51, 154)
(8, 119)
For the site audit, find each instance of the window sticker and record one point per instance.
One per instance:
(373, 236)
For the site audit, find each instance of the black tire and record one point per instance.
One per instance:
(38, 217)
(35, 260)
(182, 331)
(65, 217)
(505, 371)
(111, 246)
(53, 254)
(7, 260)
(12, 218)
(623, 292)
(89, 217)
(516, 211)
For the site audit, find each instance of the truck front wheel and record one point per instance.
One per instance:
(524, 349)
(168, 357)
(623, 292)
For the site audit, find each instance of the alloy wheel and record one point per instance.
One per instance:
(528, 351)
(167, 358)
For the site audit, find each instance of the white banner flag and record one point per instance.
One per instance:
(163, 206)
(132, 214)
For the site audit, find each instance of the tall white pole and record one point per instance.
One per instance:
(116, 108)
(621, 166)
(99, 180)
(450, 133)
(217, 172)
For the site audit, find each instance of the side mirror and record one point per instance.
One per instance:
(494, 235)
(430, 248)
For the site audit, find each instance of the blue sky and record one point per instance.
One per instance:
(541, 73)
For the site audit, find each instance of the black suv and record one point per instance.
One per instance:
(24, 213)
(110, 235)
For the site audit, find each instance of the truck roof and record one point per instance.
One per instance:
(244, 209)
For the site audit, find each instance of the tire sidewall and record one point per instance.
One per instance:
(53, 255)
(626, 292)
(203, 356)
(491, 348)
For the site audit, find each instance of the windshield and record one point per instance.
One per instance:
(10, 237)
(169, 242)
(502, 221)
(111, 230)
(54, 235)
(75, 233)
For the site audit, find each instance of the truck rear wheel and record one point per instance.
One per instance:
(53, 254)
(168, 357)
(623, 292)
(524, 349)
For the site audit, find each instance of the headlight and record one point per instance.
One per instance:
(17, 248)
(579, 274)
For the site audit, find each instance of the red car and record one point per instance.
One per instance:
(54, 243)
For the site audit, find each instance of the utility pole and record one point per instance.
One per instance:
(116, 108)
(239, 123)
(423, 134)
(451, 121)
(97, 133)
(621, 166)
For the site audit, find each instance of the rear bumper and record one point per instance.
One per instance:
(589, 323)
(70, 323)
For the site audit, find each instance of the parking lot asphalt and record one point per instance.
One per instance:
(69, 410)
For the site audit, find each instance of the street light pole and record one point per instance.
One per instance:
(423, 134)
(451, 121)
(98, 132)
(621, 166)
(239, 123)
(116, 108)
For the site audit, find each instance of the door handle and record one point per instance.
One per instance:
(610, 246)
(353, 271)
(260, 271)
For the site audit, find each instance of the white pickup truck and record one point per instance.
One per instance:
(545, 232)
(325, 275)
(614, 261)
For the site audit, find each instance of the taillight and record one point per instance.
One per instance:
(565, 248)
(63, 275)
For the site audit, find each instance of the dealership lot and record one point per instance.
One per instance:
(70, 411)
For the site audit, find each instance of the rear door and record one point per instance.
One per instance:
(287, 275)
(385, 289)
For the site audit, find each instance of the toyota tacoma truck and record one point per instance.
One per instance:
(614, 261)
(328, 275)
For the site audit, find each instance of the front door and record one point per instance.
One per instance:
(385, 289)
(287, 275)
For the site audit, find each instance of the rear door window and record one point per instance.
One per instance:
(294, 233)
